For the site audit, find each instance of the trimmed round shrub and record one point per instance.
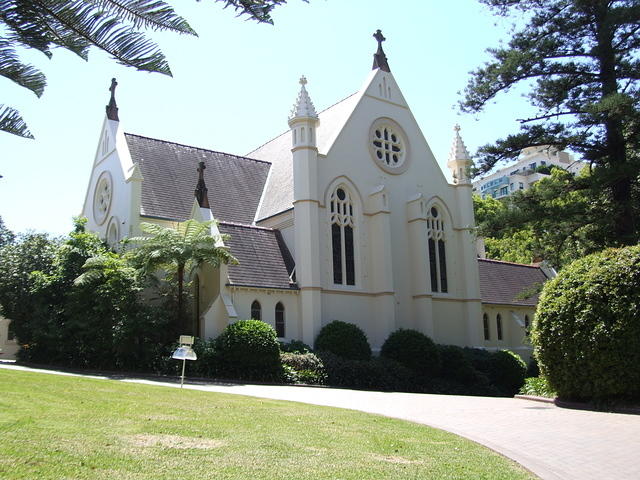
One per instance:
(343, 339)
(507, 371)
(307, 367)
(414, 350)
(586, 332)
(248, 349)
(295, 346)
(455, 365)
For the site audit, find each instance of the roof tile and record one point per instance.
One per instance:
(506, 283)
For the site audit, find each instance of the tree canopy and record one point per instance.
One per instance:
(579, 61)
(115, 26)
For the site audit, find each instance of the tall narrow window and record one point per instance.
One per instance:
(280, 320)
(499, 326)
(256, 310)
(437, 252)
(342, 237)
(527, 325)
(485, 325)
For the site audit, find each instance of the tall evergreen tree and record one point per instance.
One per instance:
(579, 59)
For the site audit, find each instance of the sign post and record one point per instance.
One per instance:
(184, 352)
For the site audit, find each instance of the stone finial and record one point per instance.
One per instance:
(459, 158)
(201, 188)
(303, 106)
(112, 108)
(379, 58)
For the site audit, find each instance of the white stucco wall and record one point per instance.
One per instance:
(8, 348)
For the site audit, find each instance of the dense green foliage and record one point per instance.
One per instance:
(414, 350)
(456, 365)
(537, 386)
(586, 332)
(248, 350)
(114, 27)
(295, 346)
(507, 371)
(178, 251)
(578, 60)
(556, 220)
(6, 235)
(307, 367)
(343, 339)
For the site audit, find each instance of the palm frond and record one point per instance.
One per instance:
(24, 75)
(12, 122)
(106, 31)
(24, 24)
(152, 14)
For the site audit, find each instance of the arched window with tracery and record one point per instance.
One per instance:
(437, 251)
(256, 310)
(342, 235)
(280, 320)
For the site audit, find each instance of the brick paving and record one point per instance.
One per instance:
(554, 443)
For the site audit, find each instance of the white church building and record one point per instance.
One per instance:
(344, 216)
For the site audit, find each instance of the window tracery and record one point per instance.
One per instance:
(437, 251)
(342, 237)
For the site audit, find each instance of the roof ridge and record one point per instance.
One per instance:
(288, 130)
(530, 265)
(244, 225)
(244, 157)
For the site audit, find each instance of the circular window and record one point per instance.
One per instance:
(102, 198)
(388, 145)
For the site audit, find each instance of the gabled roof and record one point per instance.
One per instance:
(278, 195)
(264, 259)
(170, 174)
(506, 283)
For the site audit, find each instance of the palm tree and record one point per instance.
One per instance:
(183, 249)
(77, 25)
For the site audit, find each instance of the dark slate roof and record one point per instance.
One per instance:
(170, 174)
(265, 260)
(505, 283)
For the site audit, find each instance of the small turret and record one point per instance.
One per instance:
(459, 160)
(303, 119)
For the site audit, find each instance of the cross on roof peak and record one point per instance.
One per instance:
(303, 80)
(112, 108)
(379, 37)
(379, 58)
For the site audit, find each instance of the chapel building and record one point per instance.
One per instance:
(344, 216)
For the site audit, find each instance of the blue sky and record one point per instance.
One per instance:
(233, 87)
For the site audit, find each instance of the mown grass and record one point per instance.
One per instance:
(55, 427)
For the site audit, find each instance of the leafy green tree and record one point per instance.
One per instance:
(18, 259)
(518, 247)
(115, 26)
(179, 251)
(6, 235)
(579, 60)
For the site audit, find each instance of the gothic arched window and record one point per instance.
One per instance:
(280, 320)
(256, 310)
(485, 326)
(437, 251)
(527, 325)
(499, 326)
(342, 239)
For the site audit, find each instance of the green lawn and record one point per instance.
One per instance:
(55, 427)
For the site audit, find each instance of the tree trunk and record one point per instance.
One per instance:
(181, 322)
(620, 184)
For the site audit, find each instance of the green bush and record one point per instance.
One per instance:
(533, 370)
(343, 339)
(537, 386)
(295, 346)
(507, 371)
(307, 366)
(587, 328)
(248, 350)
(414, 350)
(455, 365)
(375, 374)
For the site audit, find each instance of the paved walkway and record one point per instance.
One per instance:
(554, 443)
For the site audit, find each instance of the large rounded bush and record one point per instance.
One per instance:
(248, 349)
(586, 332)
(343, 339)
(414, 350)
(507, 371)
